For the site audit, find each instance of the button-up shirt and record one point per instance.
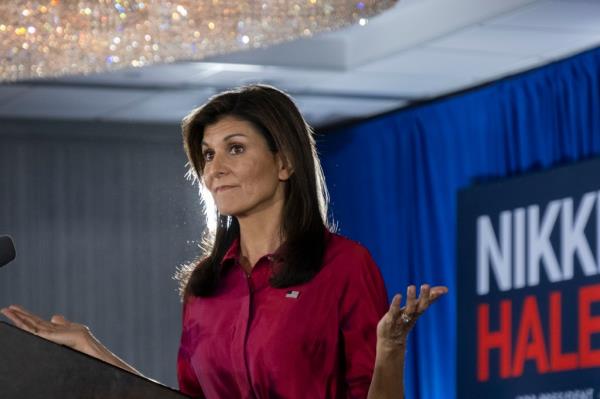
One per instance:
(313, 340)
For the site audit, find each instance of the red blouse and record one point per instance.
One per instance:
(313, 340)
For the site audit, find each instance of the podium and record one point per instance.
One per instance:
(32, 367)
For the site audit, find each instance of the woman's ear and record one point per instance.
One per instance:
(285, 168)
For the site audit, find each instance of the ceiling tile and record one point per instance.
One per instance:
(574, 16)
(444, 62)
(68, 102)
(320, 111)
(282, 77)
(177, 74)
(518, 41)
(10, 92)
(393, 85)
(165, 106)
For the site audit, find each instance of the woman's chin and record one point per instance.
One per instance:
(228, 211)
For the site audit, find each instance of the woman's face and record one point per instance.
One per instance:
(242, 174)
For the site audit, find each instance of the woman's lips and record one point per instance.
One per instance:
(223, 188)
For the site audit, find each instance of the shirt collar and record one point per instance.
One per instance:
(232, 254)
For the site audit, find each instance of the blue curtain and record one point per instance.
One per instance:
(394, 181)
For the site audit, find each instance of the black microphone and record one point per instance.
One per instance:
(7, 250)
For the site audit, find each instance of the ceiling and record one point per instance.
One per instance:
(418, 50)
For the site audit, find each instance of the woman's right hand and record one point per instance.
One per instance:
(58, 329)
(64, 332)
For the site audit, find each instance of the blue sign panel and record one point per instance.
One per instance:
(529, 286)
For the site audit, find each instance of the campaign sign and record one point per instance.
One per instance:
(528, 278)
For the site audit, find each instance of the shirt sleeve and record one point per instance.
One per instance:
(364, 302)
(186, 376)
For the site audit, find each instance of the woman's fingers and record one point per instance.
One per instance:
(10, 316)
(16, 318)
(437, 292)
(58, 329)
(394, 326)
(411, 301)
(32, 320)
(414, 306)
(20, 321)
(33, 323)
(59, 319)
(424, 298)
(395, 310)
(26, 314)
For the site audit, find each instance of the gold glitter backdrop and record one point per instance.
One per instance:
(53, 38)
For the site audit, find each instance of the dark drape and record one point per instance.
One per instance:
(101, 215)
(394, 182)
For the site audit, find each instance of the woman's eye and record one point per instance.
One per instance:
(208, 155)
(236, 149)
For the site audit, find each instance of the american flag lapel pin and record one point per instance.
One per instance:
(292, 294)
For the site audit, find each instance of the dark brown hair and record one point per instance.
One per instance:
(304, 220)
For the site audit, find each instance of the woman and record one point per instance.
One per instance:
(280, 306)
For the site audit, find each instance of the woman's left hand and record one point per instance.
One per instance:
(394, 326)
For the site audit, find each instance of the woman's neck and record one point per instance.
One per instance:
(260, 234)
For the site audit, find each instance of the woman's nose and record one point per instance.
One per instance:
(216, 167)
